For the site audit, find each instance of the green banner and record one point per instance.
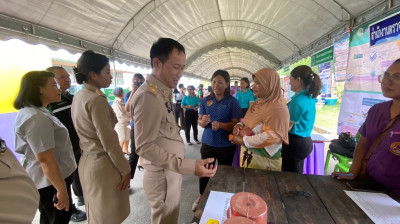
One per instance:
(322, 56)
(109, 94)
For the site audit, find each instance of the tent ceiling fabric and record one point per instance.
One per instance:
(240, 36)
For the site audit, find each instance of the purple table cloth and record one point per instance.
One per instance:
(315, 162)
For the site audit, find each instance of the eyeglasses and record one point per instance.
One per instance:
(394, 77)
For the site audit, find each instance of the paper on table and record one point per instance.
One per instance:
(379, 207)
(216, 207)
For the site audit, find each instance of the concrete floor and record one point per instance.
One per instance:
(140, 210)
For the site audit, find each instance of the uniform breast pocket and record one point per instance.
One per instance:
(170, 125)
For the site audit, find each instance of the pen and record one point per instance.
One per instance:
(343, 175)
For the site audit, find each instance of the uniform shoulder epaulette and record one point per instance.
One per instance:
(153, 88)
(99, 92)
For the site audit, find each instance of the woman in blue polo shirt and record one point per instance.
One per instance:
(219, 112)
(245, 95)
(307, 86)
(191, 104)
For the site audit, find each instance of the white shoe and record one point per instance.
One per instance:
(195, 205)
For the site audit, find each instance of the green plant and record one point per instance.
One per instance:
(339, 88)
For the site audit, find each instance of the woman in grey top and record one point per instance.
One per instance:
(44, 144)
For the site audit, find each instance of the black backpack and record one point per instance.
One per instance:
(344, 145)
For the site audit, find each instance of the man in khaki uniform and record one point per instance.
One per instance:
(19, 198)
(157, 134)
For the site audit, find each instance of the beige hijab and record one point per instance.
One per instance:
(270, 108)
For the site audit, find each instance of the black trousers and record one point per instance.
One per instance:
(223, 155)
(76, 183)
(178, 113)
(244, 111)
(50, 214)
(293, 155)
(133, 157)
(191, 117)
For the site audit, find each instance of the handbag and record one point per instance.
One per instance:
(378, 140)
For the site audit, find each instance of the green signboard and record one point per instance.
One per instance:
(322, 56)
(286, 68)
(109, 94)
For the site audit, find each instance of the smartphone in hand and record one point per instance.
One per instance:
(55, 199)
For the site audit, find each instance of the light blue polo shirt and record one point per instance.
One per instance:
(194, 101)
(223, 111)
(302, 113)
(245, 98)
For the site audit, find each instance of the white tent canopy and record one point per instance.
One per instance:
(240, 36)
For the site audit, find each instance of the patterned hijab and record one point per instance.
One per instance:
(270, 108)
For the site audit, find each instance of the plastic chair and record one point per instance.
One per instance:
(343, 164)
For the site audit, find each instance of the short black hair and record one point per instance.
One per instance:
(227, 79)
(180, 86)
(191, 87)
(52, 68)
(29, 91)
(118, 91)
(163, 47)
(138, 75)
(89, 62)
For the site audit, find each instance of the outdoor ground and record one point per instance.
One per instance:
(327, 118)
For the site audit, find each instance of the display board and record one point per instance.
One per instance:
(362, 89)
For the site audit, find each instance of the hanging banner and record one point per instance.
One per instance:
(362, 89)
(322, 56)
(324, 71)
(385, 30)
(341, 56)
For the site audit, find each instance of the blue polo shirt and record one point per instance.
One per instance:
(223, 111)
(187, 101)
(302, 113)
(245, 98)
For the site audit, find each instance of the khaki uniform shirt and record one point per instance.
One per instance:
(157, 136)
(19, 198)
(94, 121)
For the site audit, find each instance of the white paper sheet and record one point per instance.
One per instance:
(379, 207)
(216, 207)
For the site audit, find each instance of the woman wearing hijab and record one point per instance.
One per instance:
(265, 125)
(307, 86)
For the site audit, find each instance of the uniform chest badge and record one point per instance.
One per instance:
(168, 105)
(395, 148)
(209, 103)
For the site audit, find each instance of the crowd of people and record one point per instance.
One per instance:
(80, 140)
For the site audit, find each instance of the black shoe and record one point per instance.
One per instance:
(81, 201)
(78, 215)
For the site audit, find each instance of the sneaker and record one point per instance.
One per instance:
(78, 215)
(189, 143)
(197, 142)
(81, 201)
